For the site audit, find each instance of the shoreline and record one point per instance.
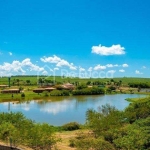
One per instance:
(41, 97)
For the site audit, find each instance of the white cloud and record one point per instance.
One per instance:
(59, 62)
(99, 67)
(138, 72)
(121, 70)
(90, 69)
(56, 68)
(113, 50)
(111, 65)
(116, 65)
(27, 63)
(112, 71)
(10, 53)
(81, 69)
(53, 59)
(44, 72)
(17, 67)
(125, 65)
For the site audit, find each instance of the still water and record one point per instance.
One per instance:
(61, 110)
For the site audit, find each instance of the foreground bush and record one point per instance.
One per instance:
(111, 129)
(16, 129)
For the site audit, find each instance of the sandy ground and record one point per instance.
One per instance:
(65, 137)
(63, 145)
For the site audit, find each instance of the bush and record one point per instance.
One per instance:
(45, 93)
(59, 93)
(65, 93)
(137, 85)
(71, 126)
(56, 93)
(89, 91)
(82, 86)
(72, 143)
(22, 95)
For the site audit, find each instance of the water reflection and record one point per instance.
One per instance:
(60, 110)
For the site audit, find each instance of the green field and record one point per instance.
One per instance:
(58, 79)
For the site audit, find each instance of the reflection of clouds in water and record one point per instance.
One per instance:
(57, 107)
(23, 106)
(5, 104)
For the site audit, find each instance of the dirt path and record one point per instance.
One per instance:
(65, 137)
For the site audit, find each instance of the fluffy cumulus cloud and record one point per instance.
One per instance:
(59, 62)
(138, 72)
(122, 70)
(125, 65)
(113, 50)
(99, 67)
(90, 69)
(112, 71)
(17, 67)
(81, 69)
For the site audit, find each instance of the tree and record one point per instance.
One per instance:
(18, 81)
(28, 82)
(40, 81)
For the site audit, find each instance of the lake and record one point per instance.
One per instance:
(60, 110)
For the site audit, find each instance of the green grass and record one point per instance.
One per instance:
(142, 99)
(17, 97)
(34, 79)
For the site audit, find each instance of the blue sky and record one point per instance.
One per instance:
(80, 36)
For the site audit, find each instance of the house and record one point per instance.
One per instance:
(3, 86)
(50, 89)
(68, 86)
(41, 90)
(12, 91)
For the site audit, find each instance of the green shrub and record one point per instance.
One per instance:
(89, 91)
(45, 93)
(59, 93)
(65, 93)
(56, 93)
(71, 126)
(72, 143)
(22, 95)
(82, 86)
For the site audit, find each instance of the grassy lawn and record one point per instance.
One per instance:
(29, 95)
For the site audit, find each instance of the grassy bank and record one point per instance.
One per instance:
(142, 99)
